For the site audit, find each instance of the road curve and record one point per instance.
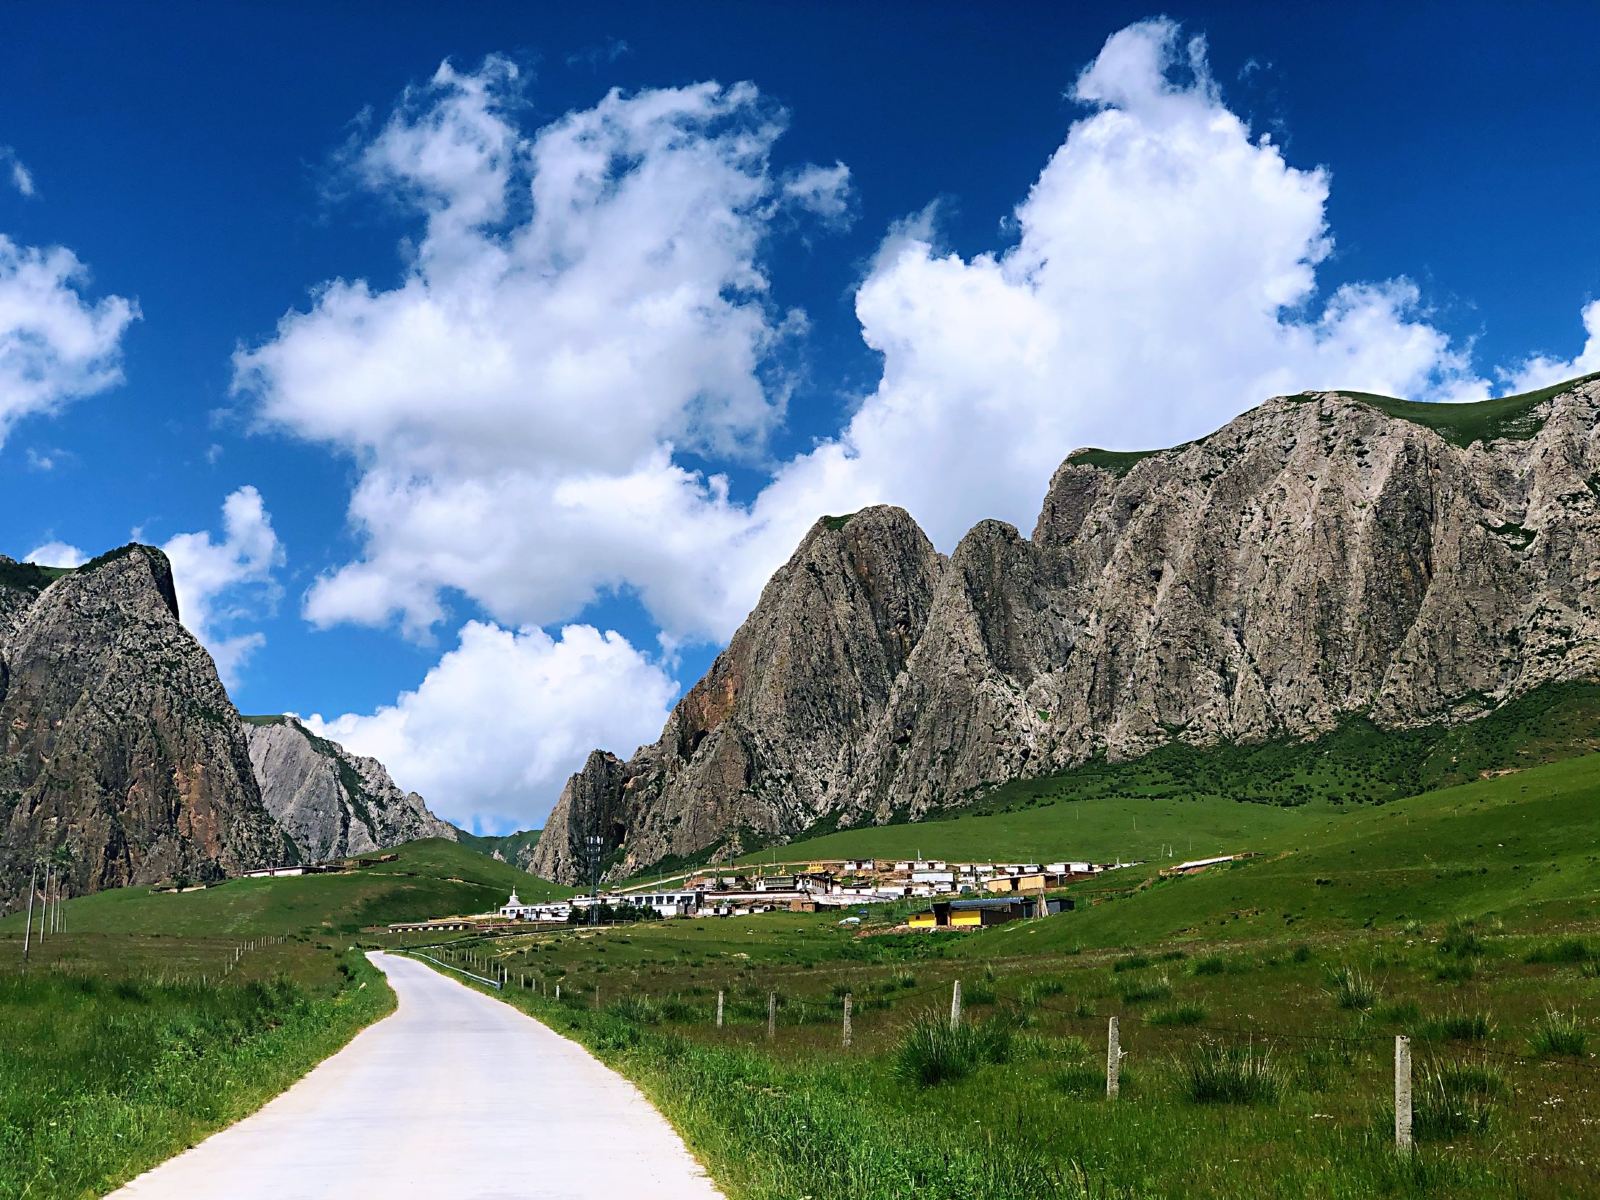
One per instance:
(453, 1095)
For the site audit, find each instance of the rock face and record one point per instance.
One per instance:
(330, 802)
(120, 745)
(764, 744)
(1321, 555)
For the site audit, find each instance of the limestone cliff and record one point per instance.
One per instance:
(1321, 555)
(764, 743)
(331, 802)
(118, 745)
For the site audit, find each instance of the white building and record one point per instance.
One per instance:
(515, 909)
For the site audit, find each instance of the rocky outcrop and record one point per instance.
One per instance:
(330, 802)
(119, 749)
(1321, 555)
(764, 743)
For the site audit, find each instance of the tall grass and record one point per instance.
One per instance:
(1454, 1100)
(1217, 1074)
(101, 1079)
(1352, 990)
(1559, 1034)
(932, 1051)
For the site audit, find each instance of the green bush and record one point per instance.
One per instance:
(1461, 940)
(1217, 1074)
(1132, 962)
(1569, 951)
(1140, 991)
(1210, 964)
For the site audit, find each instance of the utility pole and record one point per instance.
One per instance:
(594, 844)
(27, 922)
(46, 908)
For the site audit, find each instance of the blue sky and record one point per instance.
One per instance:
(570, 376)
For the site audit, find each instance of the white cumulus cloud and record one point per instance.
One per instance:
(584, 303)
(1163, 280)
(1543, 370)
(222, 584)
(55, 344)
(506, 716)
(56, 554)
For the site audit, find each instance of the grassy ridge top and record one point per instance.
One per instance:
(1509, 418)
(429, 878)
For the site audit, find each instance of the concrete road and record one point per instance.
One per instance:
(453, 1095)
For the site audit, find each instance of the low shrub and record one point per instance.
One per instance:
(1141, 991)
(1133, 962)
(978, 993)
(1210, 964)
(1217, 1074)
(1567, 951)
(1036, 990)
(1461, 940)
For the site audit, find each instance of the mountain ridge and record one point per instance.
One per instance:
(1319, 555)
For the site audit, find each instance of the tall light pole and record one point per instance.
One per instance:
(594, 843)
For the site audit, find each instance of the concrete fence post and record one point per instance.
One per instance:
(846, 1034)
(955, 1005)
(1113, 1061)
(719, 1008)
(558, 991)
(772, 1015)
(1402, 1093)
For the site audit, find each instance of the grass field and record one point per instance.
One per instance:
(111, 1063)
(430, 878)
(1258, 1006)
(134, 1033)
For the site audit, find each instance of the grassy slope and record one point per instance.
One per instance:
(430, 878)
(1524, 847)
(1188, 799)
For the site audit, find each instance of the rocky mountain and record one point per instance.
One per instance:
(120, 746)
(331, 802)
(1322, 555)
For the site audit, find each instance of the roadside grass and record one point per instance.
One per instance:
(103, 1076)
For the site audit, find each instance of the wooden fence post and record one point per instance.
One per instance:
(1402, 1093)
(955, 1005)
(846, 1035)
(1113, 1061)
(719, 1008)
(772, 1015)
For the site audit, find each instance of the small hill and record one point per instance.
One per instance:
(429, 878)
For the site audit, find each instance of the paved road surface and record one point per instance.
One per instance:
(453, 1095)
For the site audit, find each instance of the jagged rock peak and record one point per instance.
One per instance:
(1321, 555)
(120, 745)
(329, 801)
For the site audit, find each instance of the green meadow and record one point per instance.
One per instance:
(141, 1028)
(1258, 1006)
